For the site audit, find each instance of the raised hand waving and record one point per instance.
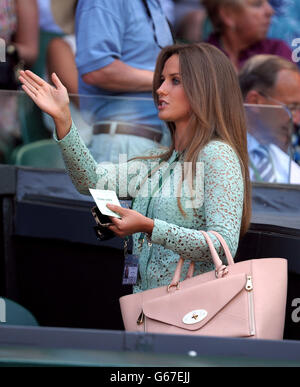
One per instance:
(53, 100)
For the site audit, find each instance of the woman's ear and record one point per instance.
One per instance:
(227, 15)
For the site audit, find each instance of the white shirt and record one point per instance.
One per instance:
(285, 169)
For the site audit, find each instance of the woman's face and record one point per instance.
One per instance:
(173, 104)
(252, 19)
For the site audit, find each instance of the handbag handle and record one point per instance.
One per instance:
(220, 269)
(227, 252)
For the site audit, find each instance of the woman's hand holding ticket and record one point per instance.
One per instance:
(131, 222)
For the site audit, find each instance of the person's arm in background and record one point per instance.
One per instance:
(27, 34)
(118, 76)
(61, 61)
(100, 31)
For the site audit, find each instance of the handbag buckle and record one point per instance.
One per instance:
(171, 285)
(221, 271)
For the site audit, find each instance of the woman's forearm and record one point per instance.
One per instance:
(119, 76)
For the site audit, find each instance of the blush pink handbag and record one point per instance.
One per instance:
(245, 299)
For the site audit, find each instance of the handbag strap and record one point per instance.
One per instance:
(227, 252)
(220, 268)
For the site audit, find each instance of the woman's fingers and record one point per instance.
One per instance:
(31, 81)
(39, 81)
(29, 92)
(28, 85)
(119, 210)
(117, 231)
(56, 81)
(117, 222)
(114, 229)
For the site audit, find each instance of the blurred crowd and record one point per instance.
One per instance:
(105, 52)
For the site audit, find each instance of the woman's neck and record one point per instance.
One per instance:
(180, 137)
(233, 46)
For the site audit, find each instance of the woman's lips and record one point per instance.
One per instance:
(162, 105)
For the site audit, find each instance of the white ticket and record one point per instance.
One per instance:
(103, 197)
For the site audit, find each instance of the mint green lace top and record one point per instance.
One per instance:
(216, 204)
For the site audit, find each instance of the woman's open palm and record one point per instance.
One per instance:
(52, 100)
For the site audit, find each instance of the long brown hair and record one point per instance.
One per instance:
(211, 86)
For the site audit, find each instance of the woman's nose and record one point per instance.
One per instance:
(269, 9)
(161, 90)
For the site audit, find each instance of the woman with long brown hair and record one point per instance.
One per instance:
(200, 183)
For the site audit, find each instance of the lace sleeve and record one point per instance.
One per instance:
(80, 165)
(222, 209)
(85, 173)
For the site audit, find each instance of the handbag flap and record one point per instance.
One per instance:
(193, 307)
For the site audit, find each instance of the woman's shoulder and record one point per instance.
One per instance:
(217, 149)
(218, 157)
(276, 47)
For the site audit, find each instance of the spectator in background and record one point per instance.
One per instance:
(60, 59)
(271, 80)
(190, 27)
(62, 50)
(189, 17)
(184, 7)
(117, 46)
(99, 57)
(19, 30)
(241, 27)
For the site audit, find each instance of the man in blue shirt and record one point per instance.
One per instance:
(273, 83)
(118, 42)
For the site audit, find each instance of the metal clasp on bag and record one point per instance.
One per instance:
(171, 285)
(221, 271)
(141, 319)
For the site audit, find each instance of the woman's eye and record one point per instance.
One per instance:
(176, 81)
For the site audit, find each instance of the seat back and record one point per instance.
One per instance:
(40, 154)
(16, 314)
